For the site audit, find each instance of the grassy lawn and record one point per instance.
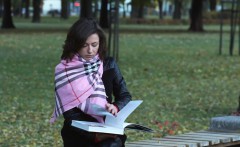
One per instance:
(179, 76)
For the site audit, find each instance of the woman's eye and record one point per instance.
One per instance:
(85, 45)
(95, 44)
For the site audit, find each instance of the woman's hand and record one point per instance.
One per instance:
(103, 136)
(112, 109)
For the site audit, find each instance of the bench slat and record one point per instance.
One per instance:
(201, 142)
(145, 144)
(179, 141)
(222, 139)
(210, 139)
(162, 143)
(234, 136)
(191, 139)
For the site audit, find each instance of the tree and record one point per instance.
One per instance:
(196, 20)
(137, 9)
(36, 11)
(64, 9)
(104, 22)
(1, 8)
(160, 5)
(16, 7)
(177, 10)
(27, 3)
(213, 4)
(122, 2)
(86, 8)
(96, 9)
(7, 22)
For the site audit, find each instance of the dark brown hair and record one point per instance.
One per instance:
(77, 36)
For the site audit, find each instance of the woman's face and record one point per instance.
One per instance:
(90, 48)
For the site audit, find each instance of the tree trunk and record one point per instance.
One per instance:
(205, 5)
(137, 9)
(27, 8)
(141, 11)
(213, 4)
(124, 10)
(16, 8)
(21, 7)
(134, 11)
(7, 22)
(1, 8)
(64, 9)
(196, 16)
(86, 8)
(160, 5)
(95, 13)
(177, 14)
(104, 22)
(36, 11)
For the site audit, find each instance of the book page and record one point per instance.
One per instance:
(118, 120)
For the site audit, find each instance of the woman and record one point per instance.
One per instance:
(84, 80)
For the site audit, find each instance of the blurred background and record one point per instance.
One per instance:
(181, 57)
(130, 11)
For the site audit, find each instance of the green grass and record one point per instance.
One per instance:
(179, 76)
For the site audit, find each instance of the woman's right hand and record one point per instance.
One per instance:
(112, 109)
(103, 136)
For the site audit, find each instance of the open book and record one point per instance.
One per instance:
(113, 124)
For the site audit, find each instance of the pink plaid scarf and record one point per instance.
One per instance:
(78, 84)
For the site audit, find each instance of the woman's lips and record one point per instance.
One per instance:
(89, 57)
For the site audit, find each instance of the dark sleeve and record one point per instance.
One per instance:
(77, 114)
(120, 91)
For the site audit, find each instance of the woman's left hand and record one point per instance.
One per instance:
(111, 108)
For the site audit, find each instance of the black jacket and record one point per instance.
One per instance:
(114, 84)
(117, 93)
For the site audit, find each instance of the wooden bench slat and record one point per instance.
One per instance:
(211, 140)
(192, 139)
(198, 142)
(226, 144)
(222, 139)
(234, 136)
(136, 145)
(201, 142)
(179, 141)
(163, 143)
(142, 144)
(149, 143)
(218, 132)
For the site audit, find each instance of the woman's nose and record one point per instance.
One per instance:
(90, 49)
